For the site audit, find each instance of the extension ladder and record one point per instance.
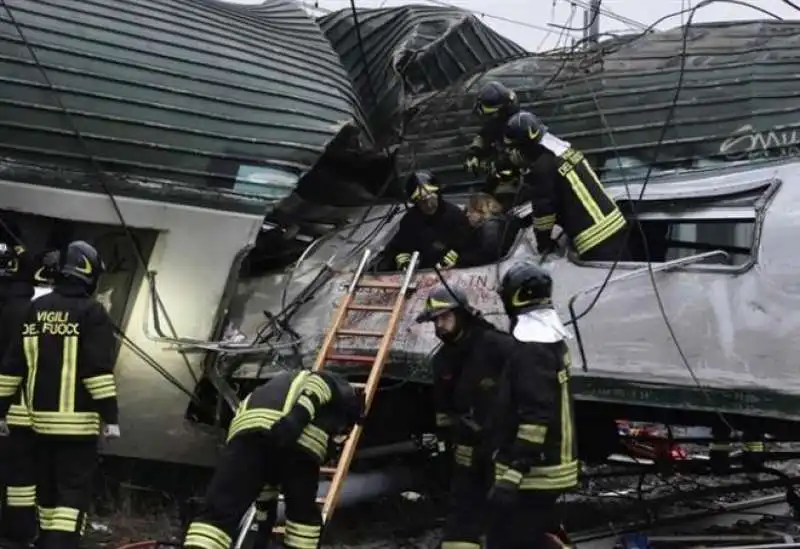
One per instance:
(337, 329)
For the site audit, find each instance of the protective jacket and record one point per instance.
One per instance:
(487, 147)
(466, 377)
(15, 299)
(534, 421)
(564, 189)
(436, 237)
(64, 359)
(314, 400)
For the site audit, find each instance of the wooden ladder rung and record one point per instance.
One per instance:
(373, 308)
(359, 333)
(378, 284)
(357, 385)
(362, 359)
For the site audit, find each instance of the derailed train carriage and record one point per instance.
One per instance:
(235, 178)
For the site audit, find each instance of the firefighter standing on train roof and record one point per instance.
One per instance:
(495, 104)
(466, 370)
(17, 483)
(280, 436)
(64, 360)
(434, 227)
(566, 191)
(536, 448)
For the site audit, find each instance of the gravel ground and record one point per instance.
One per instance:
(414, 520)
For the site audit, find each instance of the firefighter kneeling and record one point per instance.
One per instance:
(536, 458)
(280, 436)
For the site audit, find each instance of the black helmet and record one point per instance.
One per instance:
(496, 100)
(419, 183)
(81, 261)
(524, 127)
(352, 400)
(442, 299)
(11, 261)
(526, 287)
(47, 269)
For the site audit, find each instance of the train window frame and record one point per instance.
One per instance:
(719, 207)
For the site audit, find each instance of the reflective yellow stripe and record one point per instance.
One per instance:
(102, 386)
(302, 536)
(30, 346)
(69, 374)
(545, 477)
(21, 496)
(460, 545)
(462, 455)
(544, 222)
(9, 385)
(64, 423)
(599, 232)
(584, 197)
(753, 446)
(566, 418)
(45, 517)
(312, 438)
(19, 416)
(317, 387)
(294, 391)
(512, 476)
(532, 433)
(64, 519)
(206, 536)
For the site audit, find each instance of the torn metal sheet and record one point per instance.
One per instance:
(737, 100)
(410, 50)
(203, 93)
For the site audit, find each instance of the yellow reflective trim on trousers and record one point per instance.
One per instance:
(544, 222)
(753, 446)
(69, 374)
(302, 536)
(21, 496)
(544, 477)
(64, 519)
(531, 432)
(462, 455)
(598, 233)
(460, 545)
(30, 346)
(206, 536)
(45, 517)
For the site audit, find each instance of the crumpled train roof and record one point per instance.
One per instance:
(180, 90)
(410, 50)
(617, 102)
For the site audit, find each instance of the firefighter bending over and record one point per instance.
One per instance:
(64, 359)
(435, 228)
(18, 513)
(466, 371)
(495, 104)
(565, 190)
(536, 457)
(280, 436)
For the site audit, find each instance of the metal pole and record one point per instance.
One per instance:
(591, 23)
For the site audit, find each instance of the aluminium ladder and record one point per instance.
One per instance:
(338, 473)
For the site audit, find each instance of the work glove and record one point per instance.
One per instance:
(448, 261)
(285, 431)
(503, 494)
(111, 431)
(473, 165)
(4, 432)
(544, 242)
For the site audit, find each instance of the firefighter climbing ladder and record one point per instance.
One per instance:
(325, 356)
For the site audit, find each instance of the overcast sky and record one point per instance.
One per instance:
(531, 28)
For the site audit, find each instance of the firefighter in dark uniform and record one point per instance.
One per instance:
(536, 457)
(435, 228)
(18, 513)
(280, 436)
(565, 190)
(64, 360)
(466, 373)
(45, 270)
(495, 104)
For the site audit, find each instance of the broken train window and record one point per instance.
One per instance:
(677, 225)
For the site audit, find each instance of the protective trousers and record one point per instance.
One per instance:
(466, 516)
(65, 468)
(527, 525)
(18, 512)
(249, 463)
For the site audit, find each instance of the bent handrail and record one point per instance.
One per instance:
(647, 269)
